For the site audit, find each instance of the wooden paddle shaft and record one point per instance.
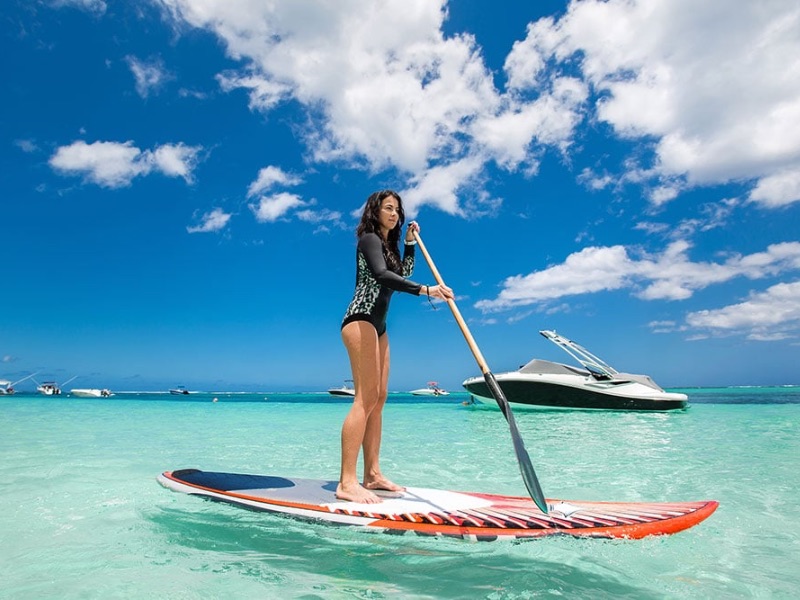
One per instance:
(525, 466)
(476, 352)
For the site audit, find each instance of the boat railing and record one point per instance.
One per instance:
(595, 365)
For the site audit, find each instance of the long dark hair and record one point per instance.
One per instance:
(371, 224)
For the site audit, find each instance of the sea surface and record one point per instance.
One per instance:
(81, 514)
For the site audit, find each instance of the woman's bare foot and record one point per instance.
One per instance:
(379, 482)
(356, 493)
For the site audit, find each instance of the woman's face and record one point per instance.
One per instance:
(388, 214)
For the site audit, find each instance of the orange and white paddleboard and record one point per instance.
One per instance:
(432, 512)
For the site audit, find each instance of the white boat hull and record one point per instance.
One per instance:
(90, 393)
(429, 392)
(593, 385)
(342, 392)
(548, 390)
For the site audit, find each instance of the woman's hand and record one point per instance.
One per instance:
(412, 227)
(440, 291)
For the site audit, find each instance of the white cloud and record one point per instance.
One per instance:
(549, 119)
(269, 177)
(94, 6)
(717, 88)
(706, 94)
(594, 181)
(668, 276)
(272, 208)
(766, 316)
(779, 189)
(264, 93)
(664, 193)
(175, 160)
(383, 87)
(440, 186)
(27, 146)
(322, 216)
(662, 326)
(150, 75)
(211, 221)
(116, 164)
(590, 270)
(108, 164)
(651, 228)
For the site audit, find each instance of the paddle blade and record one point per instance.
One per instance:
(525, 466)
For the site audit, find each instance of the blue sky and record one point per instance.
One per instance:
(181, 182)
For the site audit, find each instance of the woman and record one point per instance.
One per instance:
(379, 273)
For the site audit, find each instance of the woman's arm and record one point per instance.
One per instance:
(370, 246)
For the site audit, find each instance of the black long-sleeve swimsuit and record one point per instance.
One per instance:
(376, 282)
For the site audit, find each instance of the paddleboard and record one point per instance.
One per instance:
(432, 512)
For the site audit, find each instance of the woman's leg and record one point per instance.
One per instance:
(373, 478)
(361, 341)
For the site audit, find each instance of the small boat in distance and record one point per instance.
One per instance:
(51, 388)
(179, 391)
(433, 389)
(542, 383)
(91, 392)
(7, 387)
(345, 390)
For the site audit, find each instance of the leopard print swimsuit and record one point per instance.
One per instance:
(375, 282)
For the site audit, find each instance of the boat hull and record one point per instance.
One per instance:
(49, 391)
(429, 392)
(90, 393)
(546, 394)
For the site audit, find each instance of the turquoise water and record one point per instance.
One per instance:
(83, 517)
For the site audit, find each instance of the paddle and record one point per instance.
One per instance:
(525, 466)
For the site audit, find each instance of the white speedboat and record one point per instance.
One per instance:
(345, 390)
(179, 391)
(433, 389)
(7, 387)
(91, 392)
(594, 384)
(51, 388)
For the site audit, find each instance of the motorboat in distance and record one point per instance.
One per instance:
(345, 390)
(7, 387)
(433, 389)
(179, 391)
(542, 383)
(51, 388)
(91, 392)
